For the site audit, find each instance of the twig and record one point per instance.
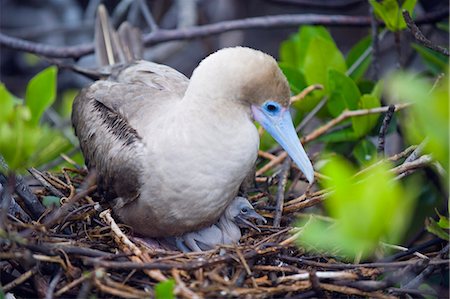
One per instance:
(161, 36)
(345, 115)
(423, 161)
(279, 199)
(32, 205)
(400, 264)
(52, 285)
(148, 16)
(181, 288)
(414, 283)
(418, 35)
(339, 275)
(352, 291)
(417, 152)
(19, 280)
(72, 284)
(383, 129)
(305, 92)
(404, 249)
(43, 181)
(127, 246)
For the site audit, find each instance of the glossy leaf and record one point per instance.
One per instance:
(294, 51)
(344, 94)
(295, 78)
(322, 56)
(41, 93)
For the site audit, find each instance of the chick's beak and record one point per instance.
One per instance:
(243, 220)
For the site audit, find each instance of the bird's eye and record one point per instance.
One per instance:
(244, 210)
(271, 107)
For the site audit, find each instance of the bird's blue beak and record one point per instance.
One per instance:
(277, 121)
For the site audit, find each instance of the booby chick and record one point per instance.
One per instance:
(171, 153)
(226, 231)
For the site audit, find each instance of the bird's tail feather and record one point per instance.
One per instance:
(115, 47)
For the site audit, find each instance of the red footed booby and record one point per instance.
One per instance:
(171, 153)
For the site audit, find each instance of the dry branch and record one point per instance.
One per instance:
(164, 35)
(418, 35)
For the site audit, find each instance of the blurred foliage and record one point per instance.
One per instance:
(371, 207)
(390, 12)
(429, 114)
(368, 208)
(24, 141)
(165, 289)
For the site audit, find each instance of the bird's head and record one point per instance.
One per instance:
(242, 212)
(253, 80)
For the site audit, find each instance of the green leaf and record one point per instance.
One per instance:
(41, 93)
(164, 289)
(295, 78)
(390, 12)
(365, 152)
(322, 56)
(294, 51)
(346, 134)
(344, 94)
(363, 124)
(356, 63)
(409, 5)
(433, 227)
(443, 221)
(6, 103)
(289, 52)
(436, 62)
(49, 201)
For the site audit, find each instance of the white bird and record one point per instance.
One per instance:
(171, 153)
(226, 231)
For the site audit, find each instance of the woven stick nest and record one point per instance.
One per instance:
(79, 249)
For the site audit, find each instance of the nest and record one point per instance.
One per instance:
(78, 250)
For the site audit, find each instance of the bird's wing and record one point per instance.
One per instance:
(108, 116)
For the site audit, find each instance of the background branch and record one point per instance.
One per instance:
(418, 35)
(164, 35)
